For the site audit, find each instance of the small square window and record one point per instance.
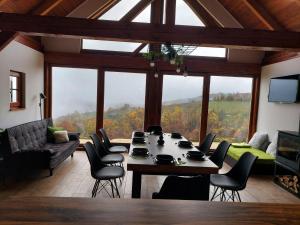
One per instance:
(17, 90)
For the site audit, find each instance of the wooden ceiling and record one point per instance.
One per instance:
(49, 7)
(265, 14)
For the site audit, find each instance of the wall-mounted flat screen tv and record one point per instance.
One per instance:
(284, 90)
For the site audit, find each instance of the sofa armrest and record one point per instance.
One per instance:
(73, 136)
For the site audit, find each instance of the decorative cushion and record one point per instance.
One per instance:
(272, 148)
(241, 145)
(50, 132)
(61, 136)
(259, 141)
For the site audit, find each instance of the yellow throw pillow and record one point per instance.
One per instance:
(61, 136)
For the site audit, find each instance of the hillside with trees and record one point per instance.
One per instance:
(228, 118)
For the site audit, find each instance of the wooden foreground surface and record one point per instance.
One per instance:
(44, 210)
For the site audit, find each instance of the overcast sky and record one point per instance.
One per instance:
(76, 89)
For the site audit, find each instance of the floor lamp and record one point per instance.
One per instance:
(42, 97)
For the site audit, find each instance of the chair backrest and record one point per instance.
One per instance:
(242, 169)
(184, 188)
(100, 149)
(94, 159)
(154, 128)
(105, 138)
(206, 144)
(219, 154)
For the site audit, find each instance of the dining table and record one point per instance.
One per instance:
(182, 166)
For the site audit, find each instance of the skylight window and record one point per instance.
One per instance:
(209, 52)
(144, 16)
(119, 10)
(186, 16)
(109, 45)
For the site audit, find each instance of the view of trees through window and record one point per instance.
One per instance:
(229, 108)
(124, 103)
(181, 105)
(74, 99)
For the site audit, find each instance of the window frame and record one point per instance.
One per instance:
(20, 90)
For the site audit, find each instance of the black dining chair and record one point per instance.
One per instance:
(108, 145)
(154, 129)
(101, 172)
(206, 144)
(219, 154)
(183, 188)
(235, 180)
(104, 155)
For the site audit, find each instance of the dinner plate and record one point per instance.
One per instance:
(164, 159)
(185, 144)
(140, 151)
(138, 140)
(195, 155)
(139, 134)
(175, 135)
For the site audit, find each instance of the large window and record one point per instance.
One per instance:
(124, 104)
(181, 105)
(229, 108)
(17, 90)
(74, 99)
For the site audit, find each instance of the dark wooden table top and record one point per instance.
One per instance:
(56, 211)
(147, 164)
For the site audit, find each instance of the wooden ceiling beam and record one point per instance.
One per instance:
(138, 49)
(42, 9)
(202, 13)
(135, 11)
(6, 37)
(263, 15)
(45, 7)
(170, 12)
(195, 65)
(151, 33)
(103, 9)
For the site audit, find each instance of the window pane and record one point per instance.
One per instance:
(119, 10)
(74, 99)
(124, 103)
(144, 16)
(186, 16)
(109, 45)
(181, 105)
(209, 52)
(229, 108)
(14, 96)
(13, 82)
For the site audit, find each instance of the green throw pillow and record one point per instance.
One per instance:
(51, 131)
(241, 145)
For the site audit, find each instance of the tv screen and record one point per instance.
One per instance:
(283, 90)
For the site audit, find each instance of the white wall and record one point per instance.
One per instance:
(275, 116)
(20, 58)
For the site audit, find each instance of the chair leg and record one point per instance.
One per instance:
(112, 188)
(117, 188)
(95, 188)
(239, 197)
(215, 192)
(50, 172)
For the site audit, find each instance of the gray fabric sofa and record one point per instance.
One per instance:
(29, 146)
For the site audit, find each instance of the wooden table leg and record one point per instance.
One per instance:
(136, 185)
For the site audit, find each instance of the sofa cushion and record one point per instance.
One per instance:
(61, 136)
(28, 136)
(272, 148)
(259, 141)
(263, 157)
(60, 151)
